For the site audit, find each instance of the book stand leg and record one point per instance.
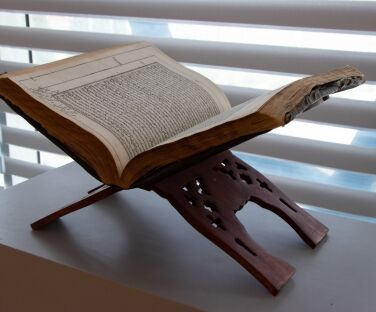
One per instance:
(208, 195)
(92, 196)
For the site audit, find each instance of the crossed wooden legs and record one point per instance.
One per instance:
(208, 195)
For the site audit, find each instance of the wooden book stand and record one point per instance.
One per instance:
(208, 195)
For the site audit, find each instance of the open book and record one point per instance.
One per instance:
(131, 114)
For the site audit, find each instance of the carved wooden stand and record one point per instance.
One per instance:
(208, 195)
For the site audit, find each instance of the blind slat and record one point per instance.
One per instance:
(6, 66)
(282, 59)
(347, 112)
(320, 195)
(23, 168)
(330, 197)
(318, 14)
(30, 139)
(284, 147)
(334, 155)
(359, 114)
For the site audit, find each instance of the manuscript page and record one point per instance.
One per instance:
(132, 98)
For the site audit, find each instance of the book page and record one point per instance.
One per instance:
(239, 111)
(132, 97)
(311, 90)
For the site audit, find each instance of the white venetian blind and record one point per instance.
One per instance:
(325, 158)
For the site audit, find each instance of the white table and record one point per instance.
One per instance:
(133, 249)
